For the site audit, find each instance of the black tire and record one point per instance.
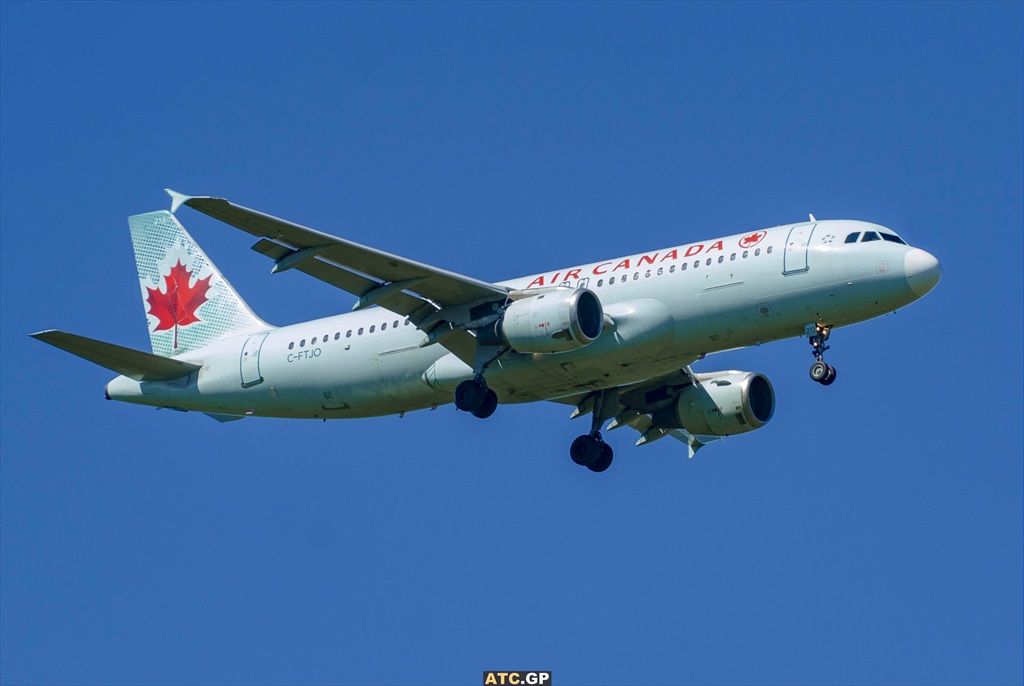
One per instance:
(469, 395)
(819, 371)
(830, 378)
(488, 406)
(585, 450)
(604, 461)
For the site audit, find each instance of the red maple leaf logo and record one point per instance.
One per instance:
(752, 239)
(177, 307)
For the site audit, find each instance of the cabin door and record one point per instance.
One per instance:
(249, 364)
(797, 247)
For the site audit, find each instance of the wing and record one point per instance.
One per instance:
(437, 301)
(635, 404)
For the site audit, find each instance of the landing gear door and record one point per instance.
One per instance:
(795, 260)
(249, 363)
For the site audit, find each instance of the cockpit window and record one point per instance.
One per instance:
(869, 236)
(852, 238)
(893, 238)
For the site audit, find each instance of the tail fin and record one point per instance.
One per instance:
(188, 303)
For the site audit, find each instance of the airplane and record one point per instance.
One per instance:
(613, 339)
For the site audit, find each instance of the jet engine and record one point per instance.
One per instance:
(721, 404)
(554, 322)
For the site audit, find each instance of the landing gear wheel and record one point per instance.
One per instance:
(817, 335)
(470, 395)
(820, 371)
(487, 407)
(830, 379)
(585, 450)
(604, 460)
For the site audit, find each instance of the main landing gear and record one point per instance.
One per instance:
(473, 395)
(590, 450)
(476, 398)
(823, 373)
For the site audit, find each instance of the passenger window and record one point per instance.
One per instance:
(709, 261)
(757, 252)
(683, 267)
(660, 271)
(291, 345)
(325, 338)
(732, 258)
(395, 324)
(745, 254)
(721, 259)
(769, 250)
(852, 238)
(647, 275)
(869, 236)
(636, 275)
(600, 282)
(348, 334)
(302, 343)
(892, 238)
(672, 269)
(383, 326)
(407, 322)
(337, 336)
(372, 328)
(611, 281)
(360, 332)
(696, 263)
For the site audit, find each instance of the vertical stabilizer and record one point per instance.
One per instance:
(188, 303)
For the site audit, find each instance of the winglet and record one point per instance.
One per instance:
(809, 215)
(177, 199)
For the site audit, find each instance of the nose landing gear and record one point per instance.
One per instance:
(823, 373)
(817, 334)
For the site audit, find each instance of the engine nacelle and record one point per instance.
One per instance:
(721, 404)
(554, 322)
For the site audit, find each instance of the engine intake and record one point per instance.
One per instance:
(723, 404)
(554, 322)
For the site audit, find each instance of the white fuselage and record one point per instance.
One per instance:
(669, 308)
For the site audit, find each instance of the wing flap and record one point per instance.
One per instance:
(134, 364)
(274, 251)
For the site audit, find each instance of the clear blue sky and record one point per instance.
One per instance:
(871, 533)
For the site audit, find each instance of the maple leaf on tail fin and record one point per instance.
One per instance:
(177, 307)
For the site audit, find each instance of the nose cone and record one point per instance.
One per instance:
(922, 271)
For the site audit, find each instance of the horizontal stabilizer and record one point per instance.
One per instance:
(134, 364)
